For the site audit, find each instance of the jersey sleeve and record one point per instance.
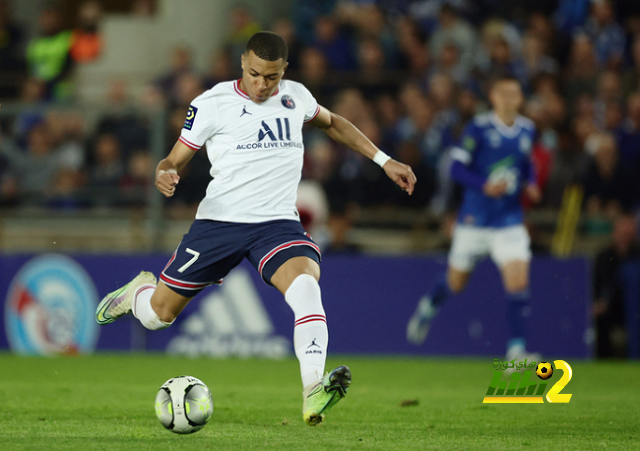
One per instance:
(467, 145)
(311, 106)
(200, 123)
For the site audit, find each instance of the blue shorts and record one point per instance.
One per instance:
(212, 248)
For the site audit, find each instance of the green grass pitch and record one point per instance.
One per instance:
(106, 402)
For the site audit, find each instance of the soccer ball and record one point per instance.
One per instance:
(184, 404)
(544, 370)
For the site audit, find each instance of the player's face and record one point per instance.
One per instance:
(260, 78)
(506, 97)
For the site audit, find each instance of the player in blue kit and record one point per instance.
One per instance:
(493, 163)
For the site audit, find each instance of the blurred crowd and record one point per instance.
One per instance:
(409, 74)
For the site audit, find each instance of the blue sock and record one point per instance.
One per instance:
(440, 292)
(518, 310)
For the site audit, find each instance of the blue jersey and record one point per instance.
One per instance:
(493, 151)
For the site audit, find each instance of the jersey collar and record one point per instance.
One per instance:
(504, 129)
(241, 93)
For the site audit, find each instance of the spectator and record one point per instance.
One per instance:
(67, 135)
(285, 28)
(570, 165)
(608, 291)
(581, 72)
(502, 61)
(107, 169)
(370, 23)
(313, 207)
(335, 47)
(48, 55)
(143, 8)
(541, 28)
(388, 117)
(315, 76)
(452, 29)
(63, 194)
(609, 188)
(181, 64)
(372, 77)
(188, 87)
(534, 58)
(220, 69)
(540, 111)
(86, 42)
(631, 76)
(571, 15)
(123, 122)
(414, 53)
(12, 64)
(449, 64)
(416, 128)
(609, 97)
(33, 93)
(540, 154)
(629, 134)
(33, 172)
(428, 12)
(139, 178)
(606, 34)
(243, 26)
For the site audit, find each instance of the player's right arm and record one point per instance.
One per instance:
(167, 171)
(461, 171)
(199, 125)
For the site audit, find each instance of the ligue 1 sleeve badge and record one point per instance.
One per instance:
(288, 102)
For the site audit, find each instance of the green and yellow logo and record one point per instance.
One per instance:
(522, 387)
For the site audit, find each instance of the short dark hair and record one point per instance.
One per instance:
(268, 46)
(506, 76)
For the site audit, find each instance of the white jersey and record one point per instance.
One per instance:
(256, 150)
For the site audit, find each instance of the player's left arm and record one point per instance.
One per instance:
(341, 130)
(531, 187)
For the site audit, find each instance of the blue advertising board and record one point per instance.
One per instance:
(368, 301)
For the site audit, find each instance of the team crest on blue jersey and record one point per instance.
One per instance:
(525, 145)
(191, 116)
(494, 138)
(288, 102)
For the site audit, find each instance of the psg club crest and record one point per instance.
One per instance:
(50, 306)
(288, 102)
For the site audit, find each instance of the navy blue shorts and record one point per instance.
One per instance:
(212, 248)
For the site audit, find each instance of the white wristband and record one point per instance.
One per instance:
(380, 158)
(170, 171)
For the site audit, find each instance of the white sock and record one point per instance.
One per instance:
(310, 334)
(142, 309)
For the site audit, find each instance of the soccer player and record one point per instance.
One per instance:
(493, 163)
(252, 129)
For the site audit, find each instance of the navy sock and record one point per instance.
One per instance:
(440, 293)
(518, 310)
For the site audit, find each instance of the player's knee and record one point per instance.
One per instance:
(166, 315)
(164, 311)
(292, 269)
(516, 286)
(456, 283)
(310, 268)
(456, 287)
